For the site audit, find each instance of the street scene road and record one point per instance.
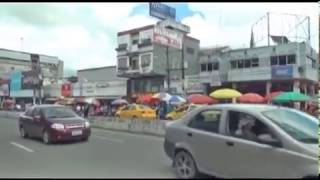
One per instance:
(107, 154)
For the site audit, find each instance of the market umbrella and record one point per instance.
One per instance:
(146, 99)
(291, 97)
(269, 97)
(176, 99)
(225, 93)
(251, 98)
(162, 96)
(201, 99)
(119, 101)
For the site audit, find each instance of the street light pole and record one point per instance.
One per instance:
(168, 69)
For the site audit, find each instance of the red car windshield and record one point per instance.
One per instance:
(58, 112)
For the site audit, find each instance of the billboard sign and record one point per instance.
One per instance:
(15, 81)
(162, 11)
(282, 72)
(193, 84)
(28, 80)
(66, 90)
(167, 37)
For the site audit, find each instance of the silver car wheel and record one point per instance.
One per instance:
(185, 166)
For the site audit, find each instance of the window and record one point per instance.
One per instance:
(274, 60)
(282, 60)
(146, 41)
(122, 46)
(36, 112)
(207, 120)
(233, 64)
(216, 66)
(136, 41)
(58, 112)
(29, 112)
(240, 64)
(255, 62)
(246, 126)
(203, 67)
(292, 59)
(298, 125)
(145, 60)
(190, 50)
(247, 63)
(134, 62)
(209, 67)
(122, 63)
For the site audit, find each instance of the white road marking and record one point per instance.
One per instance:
(109, 139)
(21, 146)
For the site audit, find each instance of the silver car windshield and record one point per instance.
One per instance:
(298, 125)
(58, 112)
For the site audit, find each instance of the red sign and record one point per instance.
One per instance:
(66, 90)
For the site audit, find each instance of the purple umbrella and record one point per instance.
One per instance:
(119, 101)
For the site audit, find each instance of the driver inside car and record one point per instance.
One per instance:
(245, 128)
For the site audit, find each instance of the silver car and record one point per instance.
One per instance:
(244, 141)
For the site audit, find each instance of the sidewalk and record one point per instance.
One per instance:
(154, 127)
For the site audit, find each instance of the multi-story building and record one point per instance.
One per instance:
(147, 64)
(13, 64)
(283, 67)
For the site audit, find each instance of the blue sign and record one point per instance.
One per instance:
(282, 72)
(15, 83)
(162, 11)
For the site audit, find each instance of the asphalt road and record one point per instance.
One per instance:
(107, 154)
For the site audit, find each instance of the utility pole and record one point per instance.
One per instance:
(168, 69)
(182, 66)
(268, 24)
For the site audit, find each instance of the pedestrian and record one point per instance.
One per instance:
(86, 111)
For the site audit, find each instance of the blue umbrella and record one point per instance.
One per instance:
(119, 101)
(176, 99)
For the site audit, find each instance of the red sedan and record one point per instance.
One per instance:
(53, 123)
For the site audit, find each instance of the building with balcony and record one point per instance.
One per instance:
(283, 67)
(145, 62)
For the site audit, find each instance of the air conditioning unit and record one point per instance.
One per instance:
(301, 69)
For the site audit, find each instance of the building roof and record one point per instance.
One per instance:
(136, 30)
(97, 68)
(25, 56)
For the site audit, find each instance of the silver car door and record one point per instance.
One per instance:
(207, 144)
(251, 159)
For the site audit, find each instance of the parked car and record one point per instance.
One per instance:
(244, 141)
(53, 123)
(181, 111)
(137, 111)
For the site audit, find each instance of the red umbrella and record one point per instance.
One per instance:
(268, 97)
(201, 99)
(251, 98)
(146, 99)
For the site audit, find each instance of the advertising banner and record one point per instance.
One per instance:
(27, 79)
(162, 11)
(167, 37)
(282, 72)
(66, 90)
(16, 81)
(193, 84)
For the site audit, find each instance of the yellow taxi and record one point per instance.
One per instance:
(179, 112)
(136, 111)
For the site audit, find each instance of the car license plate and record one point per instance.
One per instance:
(76, 133)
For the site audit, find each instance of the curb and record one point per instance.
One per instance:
(126, 131)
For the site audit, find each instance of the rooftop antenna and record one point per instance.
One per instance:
(21, 43)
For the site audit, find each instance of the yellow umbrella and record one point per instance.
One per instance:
(225, 94)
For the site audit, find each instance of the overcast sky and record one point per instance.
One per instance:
(84, 35)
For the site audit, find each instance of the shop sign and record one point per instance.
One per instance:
(282, 72)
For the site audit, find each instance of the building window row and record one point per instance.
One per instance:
(283, 60)
(244, 63)
(208, 67)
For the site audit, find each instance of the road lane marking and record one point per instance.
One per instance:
(21, 146)
(109, 139)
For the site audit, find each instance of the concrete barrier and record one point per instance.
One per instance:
(153, 127)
